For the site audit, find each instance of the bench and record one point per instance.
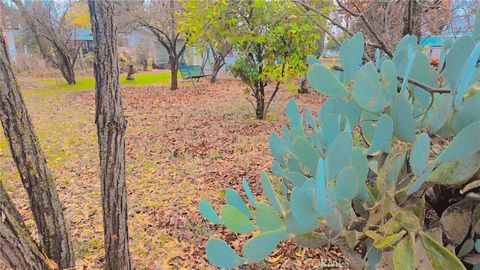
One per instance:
(192, 73)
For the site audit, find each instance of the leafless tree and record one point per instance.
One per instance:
(384, 23)
(54, 37)
(111, 126)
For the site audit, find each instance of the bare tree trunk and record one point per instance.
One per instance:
(32, 167)
(412, 22)
(145, 63)
(130, 73)
(219, 59)
(68, 71)
(174, 72)
(111, 125)
(218, 63)
(62, 58)
(8, 205)
(260, 101)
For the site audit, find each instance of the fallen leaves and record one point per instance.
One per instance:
(181, 146)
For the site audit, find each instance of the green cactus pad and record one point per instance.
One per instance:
(208, 212)
(325, 82)
(233, 199)
(220, 254)
(236, 220)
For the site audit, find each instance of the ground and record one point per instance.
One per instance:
(181, 146)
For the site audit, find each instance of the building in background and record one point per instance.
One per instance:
(85, 38)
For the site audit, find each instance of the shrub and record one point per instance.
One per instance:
(416, 151)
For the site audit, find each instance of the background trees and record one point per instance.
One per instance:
(160, 17)
(53, 33)
(384, 23)
(208, 27)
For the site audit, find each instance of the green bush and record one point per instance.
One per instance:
(418, 153)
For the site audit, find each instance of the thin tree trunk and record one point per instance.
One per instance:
(174, 72)
(218, 63)
(260, 98)
(68, 72)
(303, 88)
(111, 125)
(82, 60)
(145, 63)
(130, 73)
(32, 167)
(412, 22)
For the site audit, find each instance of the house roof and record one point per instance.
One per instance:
(82, 34)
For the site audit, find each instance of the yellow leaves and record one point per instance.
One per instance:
(78, 14)
(274, 259)
(255, 233)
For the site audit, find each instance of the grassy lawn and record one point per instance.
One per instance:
(147, 79)
(84, 83)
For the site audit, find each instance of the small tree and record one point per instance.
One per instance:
(208, 28)
(272, 40)
(160, 17)
(54, 35)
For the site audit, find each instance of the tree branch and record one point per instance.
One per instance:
(337, 24)
(324, 29)
(277, 87)
(425, 87)
(382, 44)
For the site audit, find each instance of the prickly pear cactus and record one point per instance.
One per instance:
(357, 173)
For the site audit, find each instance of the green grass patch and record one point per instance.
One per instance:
(60, 84)
(147, 79)
(88, 83)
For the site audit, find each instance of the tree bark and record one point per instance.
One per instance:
(32, 167)
(8, 205)
(67, 70)
(17, 249)
(174, 72)
(145, 63)
(130, 73)
(412, 20)
(260, 99)
(111, 126)
(218, 63)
